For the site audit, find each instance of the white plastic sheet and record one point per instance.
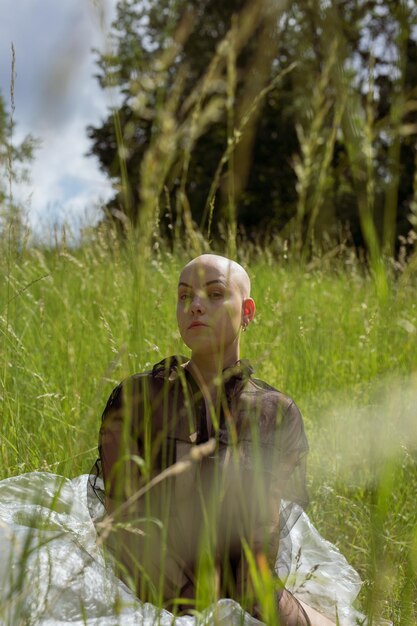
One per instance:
(53, 573)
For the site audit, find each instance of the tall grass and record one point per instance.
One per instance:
(338, 337)
(322, 336)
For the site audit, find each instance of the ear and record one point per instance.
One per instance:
(248, 311)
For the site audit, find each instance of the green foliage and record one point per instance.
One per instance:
(75, 322)
(330, 143)
(203, 135)
(14, 160)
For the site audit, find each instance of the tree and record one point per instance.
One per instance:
(14, 160)
(131, 69)
(299, 159)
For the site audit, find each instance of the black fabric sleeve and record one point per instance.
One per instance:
(283, 458)
(117, 472)
(293, 449)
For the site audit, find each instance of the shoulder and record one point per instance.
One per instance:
(266, 395)
(275, 413)
(143, 386)
(131, 382)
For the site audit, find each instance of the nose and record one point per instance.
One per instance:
(197, 305)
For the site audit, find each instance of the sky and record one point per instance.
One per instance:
(56, 96)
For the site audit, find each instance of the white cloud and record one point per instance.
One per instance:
(56, 97)
(65, 184)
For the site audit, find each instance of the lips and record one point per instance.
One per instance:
(196, 325)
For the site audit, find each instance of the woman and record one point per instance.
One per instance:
(203, 469)
(230, 505)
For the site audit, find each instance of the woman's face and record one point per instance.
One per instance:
(210, 306)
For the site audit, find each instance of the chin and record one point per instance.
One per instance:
(199, 348)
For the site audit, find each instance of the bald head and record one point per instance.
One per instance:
(213, 306)
(232, 272)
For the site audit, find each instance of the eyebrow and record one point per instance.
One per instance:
(210, 282)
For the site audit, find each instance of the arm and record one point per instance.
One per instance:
(283, 459)
(286, 495)
(120, 444)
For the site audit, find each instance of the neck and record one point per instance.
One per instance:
(208, 366)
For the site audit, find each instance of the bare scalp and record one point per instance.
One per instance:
(231, 270)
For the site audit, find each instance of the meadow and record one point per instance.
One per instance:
(75, 321)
